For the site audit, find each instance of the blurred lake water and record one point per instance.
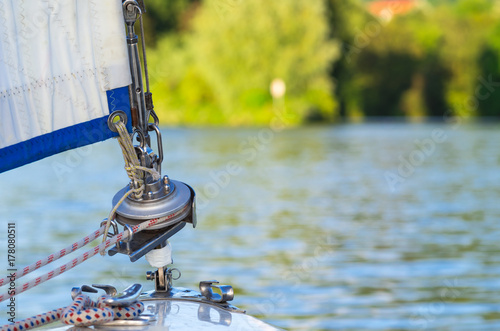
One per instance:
(346, 227)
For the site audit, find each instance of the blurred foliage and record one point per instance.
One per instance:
(220, 70)
(239, 56)
(489, 71)
(167, 16)
(211, 61)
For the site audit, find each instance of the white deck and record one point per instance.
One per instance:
(174, 314)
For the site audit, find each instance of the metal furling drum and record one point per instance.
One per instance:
(165, 198)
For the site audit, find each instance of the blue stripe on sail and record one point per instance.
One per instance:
(79, 135)
(118, 99)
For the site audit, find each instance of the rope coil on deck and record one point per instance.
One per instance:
(82, 312)
(85, 312)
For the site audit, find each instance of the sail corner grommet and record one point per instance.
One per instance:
(117, 115)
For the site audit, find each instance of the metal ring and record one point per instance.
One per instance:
(172, 273)
(142, 138)
(111, 119)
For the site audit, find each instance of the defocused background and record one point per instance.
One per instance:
(212, 61)
(347, 226)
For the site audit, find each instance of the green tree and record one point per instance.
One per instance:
(238, 48)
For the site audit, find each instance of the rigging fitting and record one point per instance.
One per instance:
(149, 195)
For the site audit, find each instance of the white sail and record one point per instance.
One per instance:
(63, 68)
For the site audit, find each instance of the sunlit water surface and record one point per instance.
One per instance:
(347, 227)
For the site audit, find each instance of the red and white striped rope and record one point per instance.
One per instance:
(85, 256)
(73, 263)
(54, 257)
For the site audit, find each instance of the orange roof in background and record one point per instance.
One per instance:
(391, 7)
